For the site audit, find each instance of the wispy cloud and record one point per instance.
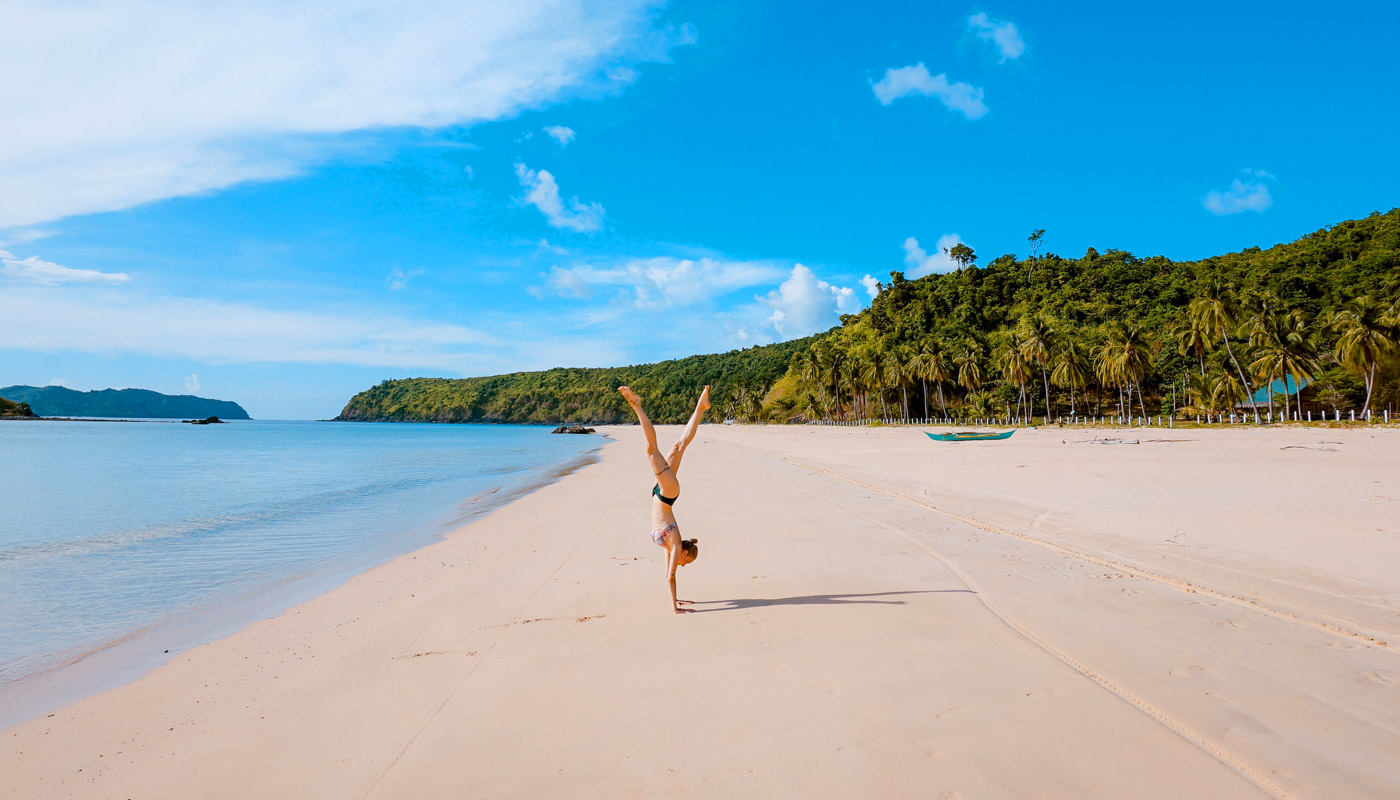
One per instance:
(542, 192)
(906, 81)
(1000, 32)
(561, 134)
(872, 285)
(669, 281)
(46, 273)
(126, 103)
(1249, 195)
(920, 263)
(192, 383)
(398, 279)
(106, 321)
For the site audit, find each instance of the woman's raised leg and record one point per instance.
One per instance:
(665, 475)
(678, 449)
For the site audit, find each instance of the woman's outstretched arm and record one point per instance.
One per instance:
(673, 557)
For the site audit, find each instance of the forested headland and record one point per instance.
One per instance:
(668, 389)
(1105, 333)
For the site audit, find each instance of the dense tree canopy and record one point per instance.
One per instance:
(1147, 335)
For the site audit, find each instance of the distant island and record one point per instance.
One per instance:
(1106, 333)
(59, 401)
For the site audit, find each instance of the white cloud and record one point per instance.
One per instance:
(23, 236)
(567, 283)
(47, 273)
(560, 134)
(398, 279)
(192, 383)
(920, 263)
(1240, 197)
(805, 304)
(667, 281)
(906, 81)
(872, 286)
(542, 192)
(1000, 32)
(471, 175)
(118, 104)
(1259, 173)
(106, 321)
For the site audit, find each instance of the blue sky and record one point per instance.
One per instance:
(281, 204)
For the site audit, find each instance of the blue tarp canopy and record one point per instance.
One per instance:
(1286, 386)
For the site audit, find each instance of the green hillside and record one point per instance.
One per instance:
(1092, 333)
(669, 390)
(59, 401)
(1108, 329)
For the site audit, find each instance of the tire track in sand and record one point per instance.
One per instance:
(1186, 586)
(1254, 775)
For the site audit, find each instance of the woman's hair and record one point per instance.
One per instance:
(691, 547)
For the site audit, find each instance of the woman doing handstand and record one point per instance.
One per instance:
(664, 532)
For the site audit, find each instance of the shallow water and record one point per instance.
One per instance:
(111, 528)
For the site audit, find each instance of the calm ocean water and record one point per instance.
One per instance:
(111, 528)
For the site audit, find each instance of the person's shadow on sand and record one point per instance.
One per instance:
(813, 600)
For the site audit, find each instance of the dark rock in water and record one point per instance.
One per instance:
(206, 421)
(572, 429)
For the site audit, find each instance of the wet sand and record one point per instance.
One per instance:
(1203, 614)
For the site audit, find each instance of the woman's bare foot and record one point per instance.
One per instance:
(704, 404)
(631, 397)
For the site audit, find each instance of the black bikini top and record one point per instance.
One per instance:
(670, 501)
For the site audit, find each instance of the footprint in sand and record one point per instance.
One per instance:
(1230, 623)
(1382, 678)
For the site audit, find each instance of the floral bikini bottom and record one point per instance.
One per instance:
(659, 535)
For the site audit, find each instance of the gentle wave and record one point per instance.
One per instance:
(197, 526)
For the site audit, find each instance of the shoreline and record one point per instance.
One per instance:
(115, 663)
(877, 614)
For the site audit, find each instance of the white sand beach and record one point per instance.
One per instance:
(1203, 613)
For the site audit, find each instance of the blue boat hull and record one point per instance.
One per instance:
(968, 437)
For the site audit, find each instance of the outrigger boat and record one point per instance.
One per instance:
(968, 436)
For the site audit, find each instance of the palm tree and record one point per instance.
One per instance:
(1039, 342)
(898, 372)
(1222, 391)
(1365, 334)
(1216, 307)
(1192, 336)
(979, 404)
(811, 371)
(932, 365)
(836, 371)
(971, 376)
(1282, 349)
(1015, 366)
(1268, 322)
(1070, 368)
(873, 375)
(1127, 356)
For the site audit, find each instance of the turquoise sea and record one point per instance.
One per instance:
(121, 540)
